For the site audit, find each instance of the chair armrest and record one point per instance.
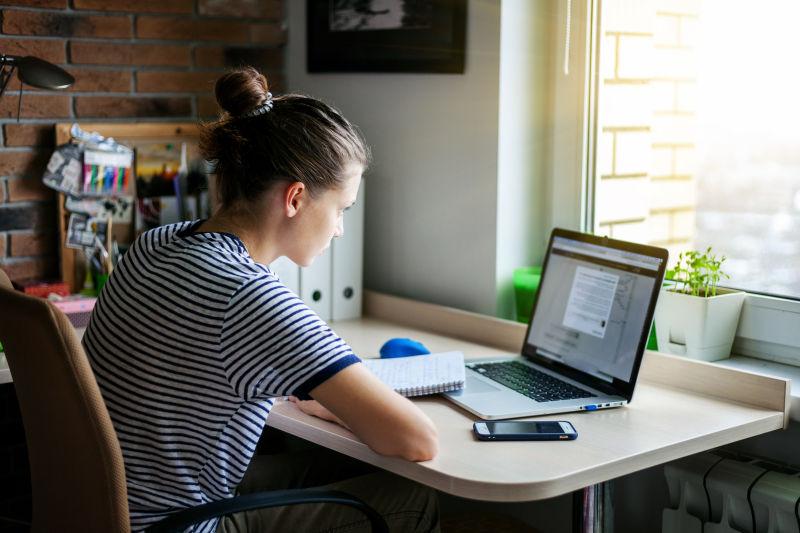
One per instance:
(180, 520)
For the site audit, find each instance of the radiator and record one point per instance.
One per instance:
(711, 493)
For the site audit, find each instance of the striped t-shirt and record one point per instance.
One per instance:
(190, 342)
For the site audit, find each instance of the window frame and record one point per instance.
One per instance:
(768, 324)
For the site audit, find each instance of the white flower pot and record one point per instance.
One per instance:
(698, 327)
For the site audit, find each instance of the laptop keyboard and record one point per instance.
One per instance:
(529, 381)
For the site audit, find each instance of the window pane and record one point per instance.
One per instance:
(698, 141)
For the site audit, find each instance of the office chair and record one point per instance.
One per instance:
(77, 472)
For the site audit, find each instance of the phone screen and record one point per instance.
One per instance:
(515, 428)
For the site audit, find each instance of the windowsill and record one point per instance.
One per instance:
(771, 368)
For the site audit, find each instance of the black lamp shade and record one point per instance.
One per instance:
(39, 73)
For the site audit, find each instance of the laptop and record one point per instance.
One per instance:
(587, 334)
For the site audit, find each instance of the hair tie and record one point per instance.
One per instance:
(260, 109)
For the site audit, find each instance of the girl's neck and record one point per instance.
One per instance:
(243, 224)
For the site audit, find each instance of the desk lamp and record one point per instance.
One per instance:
(33, 71)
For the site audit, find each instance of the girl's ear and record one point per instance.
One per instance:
(293, 197)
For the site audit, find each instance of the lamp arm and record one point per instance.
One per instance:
(5, 76)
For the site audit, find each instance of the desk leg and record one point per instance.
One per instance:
(593, 509)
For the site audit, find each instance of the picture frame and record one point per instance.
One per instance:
(423, 36)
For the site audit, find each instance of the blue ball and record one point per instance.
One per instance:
(401, 347)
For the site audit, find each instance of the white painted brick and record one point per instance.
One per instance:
(678, 6)
(667, 30)
(674, 128)
(605, 154)
(662, 95)
(608, 57)
(658, 227)
(689, 31)
(686, 93)
(665, 194)
(683, 225)
(633, 152)
(674, 63)
(635, 57)
(628, 15)
(625, 104)
(661, 162)
(622, 199)
(676, 248)
(634, 232)
(686, 161)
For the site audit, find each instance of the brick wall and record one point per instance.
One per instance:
(133, 60)
(646, 189)
(136, 60)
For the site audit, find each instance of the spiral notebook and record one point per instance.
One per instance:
(420, 375)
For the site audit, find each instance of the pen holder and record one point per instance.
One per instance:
(526, 283)
(100, 280)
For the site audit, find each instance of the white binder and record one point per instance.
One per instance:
(348, 263)
(288, 272)
(315, 285)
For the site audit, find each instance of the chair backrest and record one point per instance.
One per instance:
(77, 472)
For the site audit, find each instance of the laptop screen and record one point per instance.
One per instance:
(594, 305)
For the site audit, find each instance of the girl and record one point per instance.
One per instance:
(193, 336)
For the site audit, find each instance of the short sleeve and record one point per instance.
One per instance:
(272, 344)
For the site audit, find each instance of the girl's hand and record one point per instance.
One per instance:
(314, 408)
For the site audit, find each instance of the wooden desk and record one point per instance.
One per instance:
(681, 407)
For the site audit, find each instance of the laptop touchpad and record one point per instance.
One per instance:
(477, 386)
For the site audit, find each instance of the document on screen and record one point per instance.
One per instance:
(590, 301)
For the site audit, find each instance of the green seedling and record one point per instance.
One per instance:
(697, 273)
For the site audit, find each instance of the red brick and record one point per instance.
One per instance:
(233, 56)
(271, 34)
(107, 106)
(95, 53)
(186, 29)
(267, 9)
(26, 164)
(34, 268)
(94, 80)
(29, 135)
(65, 25)
(52, 51)
(31, 243)
(209, 56)
(161, 81)
(207, 107)
(29, 215)
(29, 189)
(34, 105)
(36, 3)
(137, 6)
(89, 80)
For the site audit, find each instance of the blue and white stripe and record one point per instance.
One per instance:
(190, 342)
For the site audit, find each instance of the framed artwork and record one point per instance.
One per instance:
(386, 35)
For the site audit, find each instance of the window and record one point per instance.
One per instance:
(696, 132)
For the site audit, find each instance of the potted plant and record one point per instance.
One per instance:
(694, 317)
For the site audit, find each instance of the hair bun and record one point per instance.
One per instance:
(241, 90)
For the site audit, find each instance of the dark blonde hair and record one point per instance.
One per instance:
(299, 139)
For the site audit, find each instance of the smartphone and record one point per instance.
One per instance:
(525, 430)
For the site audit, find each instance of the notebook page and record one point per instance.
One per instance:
(421, 374)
